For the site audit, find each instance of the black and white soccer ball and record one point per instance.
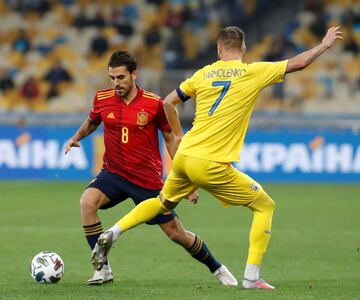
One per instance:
(47, 267)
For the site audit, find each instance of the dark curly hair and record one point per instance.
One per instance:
(123, 58)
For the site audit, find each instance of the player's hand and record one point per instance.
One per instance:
(331, 36)
(193, 197)
(71, 144)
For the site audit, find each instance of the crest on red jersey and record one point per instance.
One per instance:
(142, 118)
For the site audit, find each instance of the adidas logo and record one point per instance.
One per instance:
(110, 116)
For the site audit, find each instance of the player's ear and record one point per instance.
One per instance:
(243, 49)
(134, 74)
(219, 50)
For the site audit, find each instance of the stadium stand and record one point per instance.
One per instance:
(172, 38)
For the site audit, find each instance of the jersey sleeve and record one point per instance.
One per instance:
(95, 113)
(188, 88)
(161, 120)
(270, 72)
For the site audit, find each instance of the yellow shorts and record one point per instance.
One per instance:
(222, 180)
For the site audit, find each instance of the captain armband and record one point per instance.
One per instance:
(181, 95)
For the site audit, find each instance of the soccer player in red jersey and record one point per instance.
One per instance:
(132, 166)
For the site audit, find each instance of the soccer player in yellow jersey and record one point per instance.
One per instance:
(225, 94)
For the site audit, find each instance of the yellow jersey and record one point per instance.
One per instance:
(225, 93)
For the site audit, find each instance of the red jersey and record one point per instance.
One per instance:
(131, 135)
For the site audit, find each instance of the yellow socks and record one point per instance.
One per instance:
(263, 210)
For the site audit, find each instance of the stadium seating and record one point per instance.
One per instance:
(60, 34)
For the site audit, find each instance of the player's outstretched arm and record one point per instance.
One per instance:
(304, 59)
(87, 127)
(170, 103)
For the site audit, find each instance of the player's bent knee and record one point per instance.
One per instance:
(264, 203)
(87, 203)
(269, 202)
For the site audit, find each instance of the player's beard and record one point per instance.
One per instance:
(123, 92)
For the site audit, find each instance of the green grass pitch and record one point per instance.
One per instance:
(313, 253)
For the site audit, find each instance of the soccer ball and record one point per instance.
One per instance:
(47, 267)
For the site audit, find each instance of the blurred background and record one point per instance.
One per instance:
(54, 56)
(303, 144)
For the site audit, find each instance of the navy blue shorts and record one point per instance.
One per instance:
(118, 189)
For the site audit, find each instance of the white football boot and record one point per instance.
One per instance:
(101, 277)
(101, 250)
(225, 277)
(256, 284)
